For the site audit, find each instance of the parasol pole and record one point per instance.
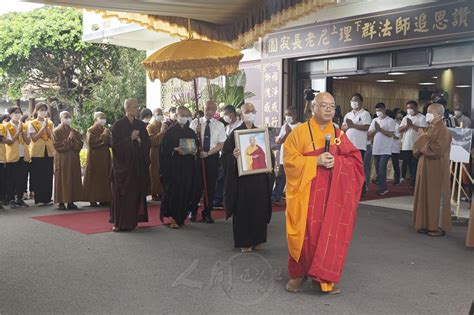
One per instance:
(203, 166)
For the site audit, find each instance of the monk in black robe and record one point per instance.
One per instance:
(247, 198)
(130, 176)
(177, 168)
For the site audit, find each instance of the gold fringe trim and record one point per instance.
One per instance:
(161, 24)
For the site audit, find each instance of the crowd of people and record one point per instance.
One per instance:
(189, 162)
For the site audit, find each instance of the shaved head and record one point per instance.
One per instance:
(131, 107)
(99, 115)
(436, 108)
(183, 111)
(324, 108)
(247, 107)
(64, 114)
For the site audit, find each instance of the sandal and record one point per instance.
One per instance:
(293, 285)
(437, 233)
(423, 231)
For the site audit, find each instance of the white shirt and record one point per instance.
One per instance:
(358, 137)
(217, 130)
(410, 136)
(382, 144)
(396, 142)
(10, 137)
(282, 135)
(230, 127)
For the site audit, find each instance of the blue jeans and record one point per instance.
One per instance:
(280, 183)
(381, 162)
(368, 164)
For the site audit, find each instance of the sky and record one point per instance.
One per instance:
(16, 5)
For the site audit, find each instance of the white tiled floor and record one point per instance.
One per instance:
(406, 203)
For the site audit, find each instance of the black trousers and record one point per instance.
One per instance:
(16, 174)
(3, 184)
(412, 164)
(42, 178)
(211, 164)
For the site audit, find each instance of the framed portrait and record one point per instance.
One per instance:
(255, 154)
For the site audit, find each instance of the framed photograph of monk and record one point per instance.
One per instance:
(254, 146)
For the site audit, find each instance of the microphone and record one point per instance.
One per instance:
(327, 143)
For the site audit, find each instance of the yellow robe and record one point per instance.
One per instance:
(300, 170)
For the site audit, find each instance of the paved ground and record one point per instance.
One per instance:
(390, 269)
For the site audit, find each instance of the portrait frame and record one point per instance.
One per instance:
(242, 142)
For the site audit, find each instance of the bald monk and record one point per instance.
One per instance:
(432, 207)
(255, 155)
(178, 169)
(99, 163)
(67, 164)
(322, 193)
(154, 131)
(130, 163)
(246, 198)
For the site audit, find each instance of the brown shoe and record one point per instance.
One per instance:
(437, 233)
(293, 285)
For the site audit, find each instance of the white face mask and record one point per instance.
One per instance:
(429, 118)
(354, 104)
(379, 114)
(289, 119)
(146, 120)
(102, 122)
(182, 120)
(16, 116)
(249, 117)
(410, 111)
(66, 121)
(158, 117)
(227, 119)
(457, 113)
(173, 116)
(42, 113)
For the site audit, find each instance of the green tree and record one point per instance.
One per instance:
(127, 81)
(43, 51)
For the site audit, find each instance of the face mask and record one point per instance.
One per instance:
(146, 120)
(289, 119)
(249, 117)
(102, 122)
(16, 117)
(158, 118)
(173, 116)
(457, 113)
(410, 112)
(66, 121)
(42, 113)
(379, 114)
(227, 119)
(429, 118)
(354, 104)
(182, 120)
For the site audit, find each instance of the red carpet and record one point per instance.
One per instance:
(393, 191)
(92, 222)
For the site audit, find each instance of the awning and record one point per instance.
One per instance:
(236, 23)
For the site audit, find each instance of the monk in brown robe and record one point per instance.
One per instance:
(154, 131)
(67, 165)
(130, 163)
(99, 163)
(432, 208)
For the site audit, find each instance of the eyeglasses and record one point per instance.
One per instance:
(330, 106)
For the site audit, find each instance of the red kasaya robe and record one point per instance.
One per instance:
(321, 203)
(256, 157)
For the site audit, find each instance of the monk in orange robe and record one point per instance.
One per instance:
(255, 155)
(322, 193)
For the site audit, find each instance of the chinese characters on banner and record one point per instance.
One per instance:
(271, 94)
(427, 22)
